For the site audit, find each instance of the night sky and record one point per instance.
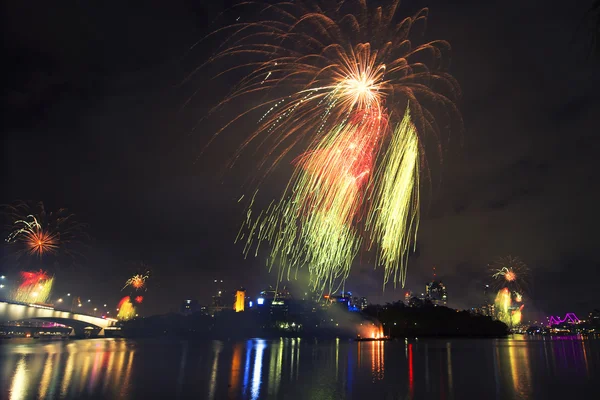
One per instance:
(95, 121)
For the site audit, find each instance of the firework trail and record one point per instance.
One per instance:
(346, 87)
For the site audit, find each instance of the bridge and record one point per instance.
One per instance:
(569, 318)
(82, 325)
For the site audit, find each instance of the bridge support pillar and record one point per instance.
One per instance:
(87, 332)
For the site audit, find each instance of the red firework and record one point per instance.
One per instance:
(33, 278)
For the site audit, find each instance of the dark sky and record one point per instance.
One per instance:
(93, 122)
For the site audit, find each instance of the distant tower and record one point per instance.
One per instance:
(218, 298)
(240, 300)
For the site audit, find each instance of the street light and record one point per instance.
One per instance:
(60, 300)
(68, 294)
(89, 300)
(2, 277)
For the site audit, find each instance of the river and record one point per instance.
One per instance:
(513, 368)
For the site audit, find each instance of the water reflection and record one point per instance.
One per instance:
(377, 360)
(274, 369)
(46, 376)
(449, 366)
(236, 366)
(257, 367)
(18, 389)
(213, 374)
(66, 370)
(411, 378)
(518, 356)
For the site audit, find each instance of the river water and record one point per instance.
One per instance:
(514, 368)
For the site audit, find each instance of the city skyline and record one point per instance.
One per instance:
(113, 145)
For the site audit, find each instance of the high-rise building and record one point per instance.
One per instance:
(219, 302)
(363, 303)
(435, 291)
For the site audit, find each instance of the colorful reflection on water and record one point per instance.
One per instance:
(294, 368)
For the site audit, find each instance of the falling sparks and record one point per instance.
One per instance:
(126, 309)
(35, 287)
(353, 94)
(394, 218)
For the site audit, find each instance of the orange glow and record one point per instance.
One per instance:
(236, 365)
(40, 242)
(377, 360)
(138, 282)
(510, 276)
(239, 304)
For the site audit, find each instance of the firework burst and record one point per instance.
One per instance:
(36, 240)
(137, 281)
(38, 235)
(510, 272)
(345, 86)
